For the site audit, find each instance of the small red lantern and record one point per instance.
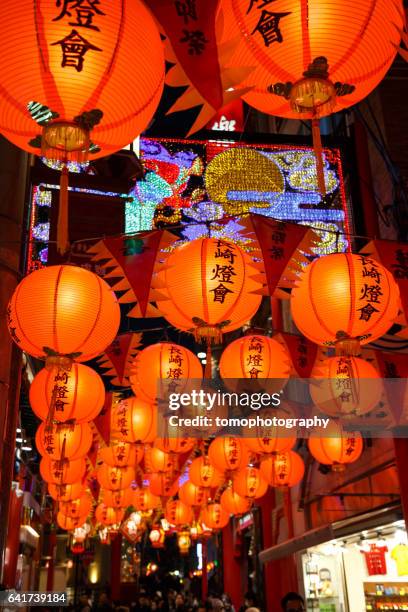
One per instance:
(283, 470)
(228, 454)
(109, 516)
(115, 478)
(214, 516)
(234, 503)
(249, 483)
(178, 513)
(192, 495)
(61, 441)
(122, 454)
(203, 474)
(62, 472)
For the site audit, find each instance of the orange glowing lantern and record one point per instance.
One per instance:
(63, 310)
(214, 516)
(234, 503)
(62, 472)
(283, 470)
(65, 492)
(108, 516)
(68, 522)
(334, 446)
(343, 296)
(174, 443)
(123, 498)
(115, 478)
(76, 507)
(183, 542)
(158, 461)
(157, 537)
(346, 386)
(63, 395)
(134, 420)
(178, 513)
(164, 484)
(203, 474)
(122, 454)
(58, 440)
(228, 454)
(209, 287)
(249, 483)
(270, 438)
(144, 500)
(157, 365)
(192, 495)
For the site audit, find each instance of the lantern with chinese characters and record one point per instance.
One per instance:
(345, 386)
(334, 446)
(202, 473)
(269, 438)
(158, 461)
(71, 58)
(160, 365)
(192, 495)
(62, 472)
(65, 394)
(68, 522)
(214, 516)
(208, 287)
(115, 478)
(61, 441)
(249, 483)
(76, 507)
(309, 60)
(228, 454)
(123, 498)
(65, 492)
(164, 484)
(283, 470)
(174, 443)
(108, 516)
(178, 513)
(122, 454)
(343, 296)
(144, 500)
(183, 542)
(63, 311)
(134, 420)
(234, 503)
(157, 537)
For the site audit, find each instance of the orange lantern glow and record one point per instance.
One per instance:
(134, 420)
(144, 500)
(269, 439)
(65, 492)
(62, 472)
(68, 522)
(164, 484)
(115, 478)
(62, 395)
(228, 454)
(214, 516)
(192, 495)
(249, 483)
(203, 474)
(334, 446)
(63, 310)
(158, 461)
(108, 516)
(157, 537)
(122, 454)
(76, 507)
(178, 513)
(183, 542)
(344, 295)
(73, 61)
(174, 443)
(234, 503)
(58, 440)
(283, 470)
(118, 499)
(209, 287)
(346, 386)
(161, 363)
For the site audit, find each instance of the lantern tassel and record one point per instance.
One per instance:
(318, 151)
(62, 227)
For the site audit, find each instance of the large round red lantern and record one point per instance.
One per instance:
(134, 420)
(334, 446)
(65, 492)
(202, 473)
(158, 461)
(64, 395)
(118, 499)
(115, 478)
(269, 438)
(250, 483)
(346, 386)
(209, 287)
(71, 74)
(283, 470)
(163, 484)
(234, 503)
(108, 516)
(192, 495)
(178, 513)
(122, 454)
(228, 454)
(345, 296)
(76, 507)
(60, 441)
(62, 472)
(68, 522)
(214, 516)
(174, 443)
(63, 310)
(159, 364)
(144, 500)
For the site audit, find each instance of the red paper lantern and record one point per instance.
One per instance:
(269, 439)
(134, 420)
(158, 461)
(178, 513)
(175, 443)
(115, 478)
(214, 516)
(122, 454)
(108, 516)
(62, 472)
(203, 474)
(144, 500)
(65, 492)
(123, 498)
(234, 503)
(76, 507)
(283, 470)
(58, 441)
(228, 454)
(334, 446)
(192, 495)
(163, 484)
(68, 522)
(66, 309)
(250, 483)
